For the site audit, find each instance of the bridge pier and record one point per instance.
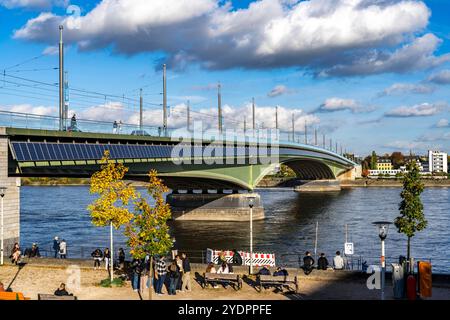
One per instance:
(319, 186)
(214, 206)
(11, 200)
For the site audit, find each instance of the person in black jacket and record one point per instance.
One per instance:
(281, 272)
(237, 259)
(97, 255)
(322, 262)
(174, 274)
(308, 263)
(186, 281)
(61, 291)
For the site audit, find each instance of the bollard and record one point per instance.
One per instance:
(411, 288)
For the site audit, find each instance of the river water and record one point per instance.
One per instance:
(287, 231)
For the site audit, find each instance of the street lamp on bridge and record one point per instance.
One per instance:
(251, 203)
(2, 195)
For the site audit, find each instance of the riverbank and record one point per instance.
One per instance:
(45, 275)
(36, 182)
(429, 183)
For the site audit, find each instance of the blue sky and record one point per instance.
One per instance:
(371, 74)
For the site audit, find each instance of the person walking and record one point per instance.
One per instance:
(97, 254)
(160, 274)
(322, 262)
(56, 246)
(308, 263)
(174, 276)
(338, 261)
(63, 249)
(186, 281)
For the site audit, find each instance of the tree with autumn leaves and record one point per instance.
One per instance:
(148, 233)
(146, 227)
(114, 195)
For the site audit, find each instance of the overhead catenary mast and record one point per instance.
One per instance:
(141, 102)
(188, 107)
(61, 79)
(164, 100)
(219, 107)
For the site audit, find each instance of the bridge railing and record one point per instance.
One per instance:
(45, 122)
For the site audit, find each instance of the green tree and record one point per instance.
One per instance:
(114, 195)
(148, 232)
(373, 161)
(412, 218)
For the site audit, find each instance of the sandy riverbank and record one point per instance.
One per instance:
(35, 279)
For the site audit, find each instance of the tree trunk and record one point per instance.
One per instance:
(111, 263)
(150, 277)
(408, 255)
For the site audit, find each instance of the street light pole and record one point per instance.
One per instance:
(251, 203)
(383, 227)
(2, 194)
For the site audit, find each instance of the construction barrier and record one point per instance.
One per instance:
(425, 282)
(259, 259)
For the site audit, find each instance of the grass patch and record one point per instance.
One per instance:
(107, 283)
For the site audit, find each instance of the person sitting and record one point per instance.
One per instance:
(338, 261)
(15, 254)
(308, 263)
(237, 259)
(221, 258)
(61, 291)
(281, 272)
(264, 271)
(322, 262)
(34, 253)
(211, 269)
(223, 269)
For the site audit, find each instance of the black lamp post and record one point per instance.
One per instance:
(383, 227)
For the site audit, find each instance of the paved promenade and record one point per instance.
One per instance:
(44, 276)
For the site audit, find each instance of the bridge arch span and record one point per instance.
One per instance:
(308, 169)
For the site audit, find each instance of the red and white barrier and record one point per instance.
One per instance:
(259, 259)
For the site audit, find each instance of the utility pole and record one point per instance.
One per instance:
(315, 136)
(245, 126)
(219, 106)
(141, 100)
(331, 145)
(253, 113)
(323, 136)
(293, 127)
(276, 121)
(66, 99)
(188, 106)
(341, 148)
(336, 147)
(164, 100)
(61, 79)
(306, 133)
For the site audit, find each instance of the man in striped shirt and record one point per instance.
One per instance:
(160, 274)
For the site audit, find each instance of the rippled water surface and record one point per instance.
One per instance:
(288, 230)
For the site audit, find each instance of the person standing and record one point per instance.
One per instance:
(107, 258)
(338, 261)
(160, 274)
(115, 125)
(322, 262)
(63, 249)
(56, 246)
(121, 259)
(179, 262)
(120, 127)
(186, 280)
(174, 276)
(136, 266)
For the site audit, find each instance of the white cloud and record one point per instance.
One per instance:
(402, 88)
(421, 146)
(28, 108)
(280, 90)
(339, 104)
(442, 123)
(442, 77)
(51, 50)
(339, 38)
(32, 4)
(419, 110)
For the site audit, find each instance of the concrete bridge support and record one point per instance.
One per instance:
(214, 206)
(11, 200)
(319, 186)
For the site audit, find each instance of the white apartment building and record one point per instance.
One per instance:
(437, 161)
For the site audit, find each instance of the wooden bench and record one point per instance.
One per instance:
(12, 296)
(278, 281)
(229, 278)
(43, 296)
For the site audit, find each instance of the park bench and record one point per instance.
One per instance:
(43, 296)
(12, 296)
(228, 278)
(278, 281)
